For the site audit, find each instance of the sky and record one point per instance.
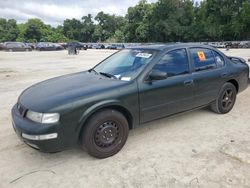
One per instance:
(53, 12)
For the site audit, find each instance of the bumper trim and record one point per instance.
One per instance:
(40, 137)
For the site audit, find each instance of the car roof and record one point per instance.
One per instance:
(14, 43)
(162, 47)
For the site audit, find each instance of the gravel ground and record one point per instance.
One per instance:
(195, 149)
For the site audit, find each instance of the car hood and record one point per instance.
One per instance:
(54, 92)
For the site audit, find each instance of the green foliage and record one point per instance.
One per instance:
(88, 28)
(163, 21)
(33, 30)
(107, 26)
(137, 28)
(8, 30)
(72, 29)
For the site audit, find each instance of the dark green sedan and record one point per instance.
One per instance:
(96, 108)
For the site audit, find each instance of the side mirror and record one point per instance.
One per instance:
(157, 75)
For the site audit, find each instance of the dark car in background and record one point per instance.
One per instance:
(96, 108)
(115, 46)
(1, 46)
(98, 46)
(63, 44)
(244, 44)
(77, 45)
(16, 47)
(120, 46)
(32, 45)
(48, 46)
(111, 47)
(233, 44)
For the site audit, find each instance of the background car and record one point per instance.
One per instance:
(16, 46)
(32, 45)
(111, 47)
(233, 44)
(120, 46)
(63, 44)
(98, 46)
(115, 46)
(78, 45)
(244, 44)
(1, 46)
(48, 46)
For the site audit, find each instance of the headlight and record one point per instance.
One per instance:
(43, 117)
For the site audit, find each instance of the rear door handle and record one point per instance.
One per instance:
(188, 82)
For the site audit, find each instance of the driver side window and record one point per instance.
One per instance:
(174, 63)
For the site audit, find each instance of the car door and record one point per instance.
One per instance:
(208, 70)
(17, 47)
(22, 47)
(51, 47)
(172, 95)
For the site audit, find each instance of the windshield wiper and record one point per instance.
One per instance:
(108, 75)
(93, 70)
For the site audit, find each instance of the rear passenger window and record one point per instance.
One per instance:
(219, 59)
(203, 59)
(174, 63)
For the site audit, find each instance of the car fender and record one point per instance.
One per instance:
(94, 108)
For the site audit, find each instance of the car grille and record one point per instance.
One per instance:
(22, 110)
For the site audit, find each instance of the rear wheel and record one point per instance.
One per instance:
(225, 100)
(105, 133)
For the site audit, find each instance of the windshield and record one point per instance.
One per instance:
(126, 64)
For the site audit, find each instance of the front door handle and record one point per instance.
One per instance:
(188, 82)
(226, 75)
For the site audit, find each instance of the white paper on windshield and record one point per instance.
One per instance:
(144, 55)
(126, 78)
(118, 76)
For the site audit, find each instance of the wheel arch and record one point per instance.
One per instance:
(235, 83)
(98, 107)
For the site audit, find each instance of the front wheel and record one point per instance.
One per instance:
(225, 100)
(105, 133)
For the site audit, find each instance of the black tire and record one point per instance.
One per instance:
(105, 133)
(225, 100)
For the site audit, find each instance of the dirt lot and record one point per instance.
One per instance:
(196, 149)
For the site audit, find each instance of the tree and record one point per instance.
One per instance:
(72, 29)
(107, 26)
(3, 26)
(8, 30)
(88, 28)
(138, 22)
(245, 14)
(34, 30)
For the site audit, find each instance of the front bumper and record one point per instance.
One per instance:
(46, 138)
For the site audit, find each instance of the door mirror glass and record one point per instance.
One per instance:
(157, 75)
